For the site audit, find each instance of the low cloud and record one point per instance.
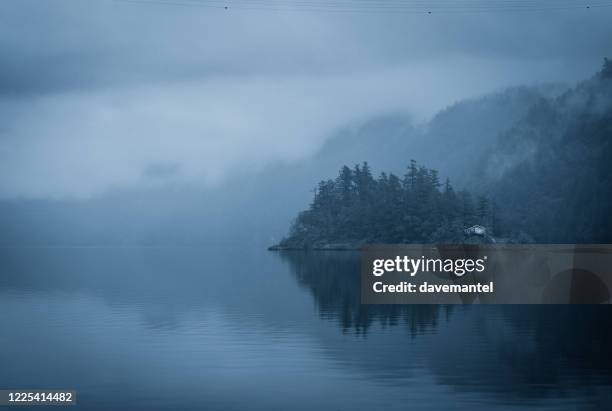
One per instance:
(95, 95)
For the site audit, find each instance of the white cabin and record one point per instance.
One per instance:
(476, 230)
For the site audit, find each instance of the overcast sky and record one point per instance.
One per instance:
(103, 93)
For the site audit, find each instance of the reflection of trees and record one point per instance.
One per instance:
(523, 353)
(517, 354)
(333, 279)
(578, 336)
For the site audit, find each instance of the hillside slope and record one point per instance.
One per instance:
(552, 171)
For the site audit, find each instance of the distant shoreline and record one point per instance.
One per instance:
(321, 247)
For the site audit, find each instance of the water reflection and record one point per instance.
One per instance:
(333, 279)
(193, 328)
(518, 352)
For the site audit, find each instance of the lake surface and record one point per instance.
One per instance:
(234, 329)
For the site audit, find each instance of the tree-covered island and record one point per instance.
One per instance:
(356, 208)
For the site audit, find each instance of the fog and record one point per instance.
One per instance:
(105, 94)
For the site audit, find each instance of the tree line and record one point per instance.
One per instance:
(357, 208)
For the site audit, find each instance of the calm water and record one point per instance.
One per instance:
(196, 328)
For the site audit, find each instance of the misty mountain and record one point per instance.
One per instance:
(458, 135)
(257, 207)
(546, 179)
(551, 170)
(451, 143)
(464, 130)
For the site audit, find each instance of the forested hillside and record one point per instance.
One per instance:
(547, 179)
(552, 172)
(448, 142)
